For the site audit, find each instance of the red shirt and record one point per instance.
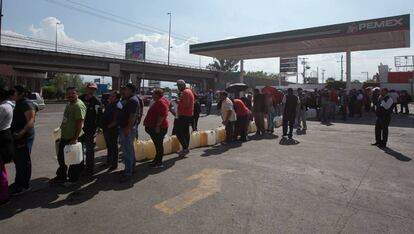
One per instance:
(186, 103)
(240, 108)
(158, 109)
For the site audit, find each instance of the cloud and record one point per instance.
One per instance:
(157, 49)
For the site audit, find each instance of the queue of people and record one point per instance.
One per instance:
(17, 118)
(120, 117)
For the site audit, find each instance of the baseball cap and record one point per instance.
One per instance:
(91, 86)
(180, 82)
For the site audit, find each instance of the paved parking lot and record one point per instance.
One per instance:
(333, 181)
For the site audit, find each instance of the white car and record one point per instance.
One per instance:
(37, 100)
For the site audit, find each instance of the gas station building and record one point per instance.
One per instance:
(372, 34)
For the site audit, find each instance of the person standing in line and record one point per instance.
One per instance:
(156, 125)
(111, 129)
(22, 128)
(394, 95)
(71, 130)
(301, 113)
(173, 110)
(359, 103)
(344, 104)
(228, 115)
(367, 100)
(127, 121)
(196, 114)
(210, 99)
(333, 101)
(375, 97)
(384, 110)
(405, 98)
(352, 102)
(270, 112)
(6, 145)
(290, 103)
(243, 118)
(259, 108)
(185, 111)
(324, 105)
(93, 113)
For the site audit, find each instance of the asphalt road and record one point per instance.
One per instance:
(332, 181)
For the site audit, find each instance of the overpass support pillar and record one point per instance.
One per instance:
(348, 70)
(116, 83)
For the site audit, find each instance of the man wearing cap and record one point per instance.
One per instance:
(93, 111)
(185, 111)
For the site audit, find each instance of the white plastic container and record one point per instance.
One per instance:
(175, 144)
(149, 150)
(220, 135)
(252, 127)
(167, 144)
(194, 140)
(139, 150)
(100, 142)
(207, 138)
(278, 121)
(56, 134)
(73, 154)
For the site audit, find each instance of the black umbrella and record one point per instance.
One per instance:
(236, 87)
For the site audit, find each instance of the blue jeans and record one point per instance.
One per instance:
(270, 117)
(22, 161)
(127, 145)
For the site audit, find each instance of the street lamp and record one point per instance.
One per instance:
(56, 42)
(169, 39)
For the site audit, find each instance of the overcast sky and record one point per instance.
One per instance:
(200, 21)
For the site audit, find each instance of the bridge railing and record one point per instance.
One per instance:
(46, 45)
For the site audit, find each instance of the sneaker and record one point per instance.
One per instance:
(184, 152)
(17, 190)
(375, 144)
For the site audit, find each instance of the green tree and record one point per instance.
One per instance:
(356, 82)
(224, 65)
(58, 82)
(330, 79)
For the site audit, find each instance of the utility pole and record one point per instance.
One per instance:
(56, 42)
(169, 39)
(342, 67)
(323, 76)
(304, 63)
(1, 16)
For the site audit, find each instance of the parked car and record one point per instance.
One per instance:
(37, 100)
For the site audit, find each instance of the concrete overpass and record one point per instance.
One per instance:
(18, 60)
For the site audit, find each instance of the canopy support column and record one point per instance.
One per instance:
(348, 70)
(241, 71)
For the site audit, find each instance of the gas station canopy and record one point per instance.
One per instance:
(382, 33)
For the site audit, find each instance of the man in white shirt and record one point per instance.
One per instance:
(228, 115)
(394, 95)
(383, 112)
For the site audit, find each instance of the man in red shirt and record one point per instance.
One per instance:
(184, 114)
(156, 125)
(243, 118)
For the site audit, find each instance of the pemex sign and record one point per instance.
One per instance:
(384, 24)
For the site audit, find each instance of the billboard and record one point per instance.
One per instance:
(289, 65)
(135, 50)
